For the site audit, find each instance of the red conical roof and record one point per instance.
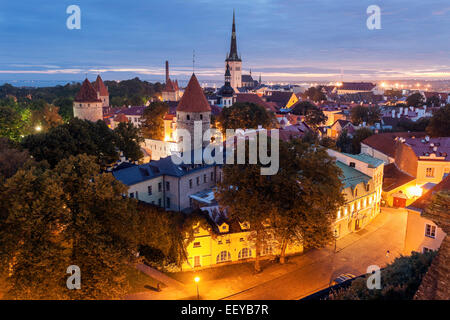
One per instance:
(100, 87)
(87, 93)
(193, 99)
(169, 86)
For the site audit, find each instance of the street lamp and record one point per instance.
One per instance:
(197, 280)
(335, 239)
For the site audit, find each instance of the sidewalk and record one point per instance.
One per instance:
(301, 275)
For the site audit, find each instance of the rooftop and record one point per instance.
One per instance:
(351, 177)
(374, 162)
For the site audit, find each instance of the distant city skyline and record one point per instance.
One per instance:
(281, 40)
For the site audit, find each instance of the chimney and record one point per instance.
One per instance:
(167, 71)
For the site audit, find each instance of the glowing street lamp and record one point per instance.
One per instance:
(197, 280)
(38, 128)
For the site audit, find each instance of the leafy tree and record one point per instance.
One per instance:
(315, 94)
(10, 123)
(358, 137)
(69, 215)
(439, 125)
(65, 105)
(303, 107)
(153, 120)
(415, 100)
(73, 138)
(315, 117)
(344, 142)
(307, 195)
(11, 159)
(414, 126)
(369, 115)
(328, 143)
(248, 197)
(128, 140)
(433, 101)
(245, 116)
(400, 280)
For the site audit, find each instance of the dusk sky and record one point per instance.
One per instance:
(281, 39)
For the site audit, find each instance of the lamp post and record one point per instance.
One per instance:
(335, 240)
(197, 280)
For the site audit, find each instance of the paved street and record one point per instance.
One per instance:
(303, 274)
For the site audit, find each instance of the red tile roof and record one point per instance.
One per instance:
(100, 87)
(193, 99)
(87, 93)
(170, 86)
(385, 142)
(253, 98)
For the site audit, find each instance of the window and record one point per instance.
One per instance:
(212, 176)
(201, 117)
(159, 202)
(339, 214)
(241, 239)
(197, 261)
(204, 178)
(228, 241)
(188, 117)
(190, 183)
(168, 202)
(198, 180)
(223, 257)
(352, 164)
(219, 242)
(132, 195)
(430, 231)
(430, 172)
(368, 187)
(137, 195)
(159, 186)
(425, 250)
(356, 192)
(167, 185)
(197, 245)
(149, 188)
(245, 253)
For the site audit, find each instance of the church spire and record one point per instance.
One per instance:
(233, 55)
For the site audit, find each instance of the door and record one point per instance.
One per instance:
(197, 261)
(399, 202)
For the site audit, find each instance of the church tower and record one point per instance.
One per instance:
(87, 104)
(193, 106)
(234, 61)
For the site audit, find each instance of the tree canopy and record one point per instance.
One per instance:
(152, 126)
(369, 115)
(82, 136)
(245, 116)
(439, 125)
(315, 94)
(415, 100)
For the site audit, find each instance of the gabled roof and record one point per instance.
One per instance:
(385, 142)
(100, 87)
(253, 98)
(193, 99)
(281, 98)
(393, 177)
(87, 93)
(351, 177)
(170, 86)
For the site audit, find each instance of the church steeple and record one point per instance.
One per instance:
(233, 55)
(227, 75)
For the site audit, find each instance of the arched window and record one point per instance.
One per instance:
(223, 257)
(201, 117)
(188, 117)
(245, 253)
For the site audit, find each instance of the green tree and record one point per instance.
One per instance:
(358, 137)
(315, 94)
(344, 142)
(11, 159)
(153, 120)
(315, 117)
(128, 140)
(328, 143)
(307, 195)
(400, 280)
(65, 105)
(10, 123)
(248, 197)
(245, 116)
(303, 107)
(369, 115)
(415, 100)
(439, 125)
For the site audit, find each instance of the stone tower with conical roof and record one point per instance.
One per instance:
(87, 104)
(233, 60)
(193, 107)
(102, 91)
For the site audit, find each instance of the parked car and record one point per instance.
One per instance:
(342, 278)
